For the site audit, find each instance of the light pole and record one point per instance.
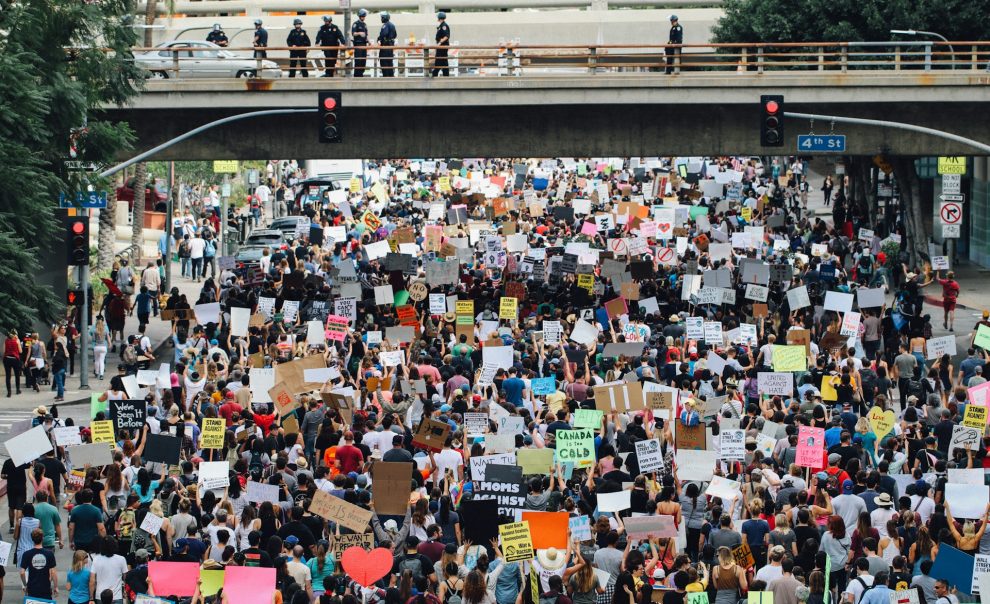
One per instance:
(915, 32)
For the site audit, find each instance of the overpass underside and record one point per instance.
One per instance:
(560, 115)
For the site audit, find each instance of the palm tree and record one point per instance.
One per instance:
(137, 226)
(108, 234)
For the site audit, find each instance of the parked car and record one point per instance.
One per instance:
(287, 224)
(155, 197)
(247, 257)
(199, 59)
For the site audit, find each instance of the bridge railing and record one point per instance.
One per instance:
(517, 60)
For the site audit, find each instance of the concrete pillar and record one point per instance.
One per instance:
(427, 7)
(978, 200)
(599, 4)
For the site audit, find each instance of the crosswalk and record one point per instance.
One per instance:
(14, 422)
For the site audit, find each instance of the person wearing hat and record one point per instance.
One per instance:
(676, 36)
(442, 40)
(297, 38)
(359, 37)
(260, 42)
(217, 36)
(330, 35)
(848, 505)
(386, 40)
(549, 563)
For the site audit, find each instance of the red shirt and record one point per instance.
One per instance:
(350, 458)
(264, 422)
(950, 289)
(227, 411)
(10, 348)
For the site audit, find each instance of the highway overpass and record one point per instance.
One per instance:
(613, 114)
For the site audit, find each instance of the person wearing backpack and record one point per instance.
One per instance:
(860, 584)
(418, 564)
(451, 589)
(556, 594)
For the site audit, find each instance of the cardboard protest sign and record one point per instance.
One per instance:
(94, 455)
(535, 461)
(547, 529)
(643, 527)
(576, 445)
(293, 372)
(619, 396)
(285, 401)
(691, 437)
(517, 543)
(392, 486)
(810, 447)
(431, 434)
(337, 510)
(743, 556)
(128, 414)
(343, 542)
(213, 431)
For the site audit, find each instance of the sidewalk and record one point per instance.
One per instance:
(159, 331)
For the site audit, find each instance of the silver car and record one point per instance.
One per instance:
(199, 59)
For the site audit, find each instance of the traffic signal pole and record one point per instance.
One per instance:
(896, 125)
(84, 318)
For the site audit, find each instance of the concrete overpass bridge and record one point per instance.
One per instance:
(588, 101)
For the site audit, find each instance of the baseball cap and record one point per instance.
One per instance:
(292, 540)
(834, 458)
(847, 486)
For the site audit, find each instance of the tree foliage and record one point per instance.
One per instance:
(59, 61)
(848, 20)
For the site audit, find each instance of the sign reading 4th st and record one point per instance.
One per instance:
(83, 200)
(826, 143)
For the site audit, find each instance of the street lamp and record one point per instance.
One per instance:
(915, 32)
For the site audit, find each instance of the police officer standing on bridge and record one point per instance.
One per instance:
(297, 37)
(260, 40)
(359, 35)
(443, 39)
(329, 35)
(676, 37)
(386, 39)
(217, 36)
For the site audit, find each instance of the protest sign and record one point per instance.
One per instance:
(649, 455)
(431, 434)
(691, 437)
(128, 414)
(881, 422)
(535, 461)
(810, 447)
(614, 502)
(547, 529)
(695, 465)
(337, 510)
(576, 445)
(789, 358)
(732, 444)
(340, 543)
(509, 495)
(67, 435)
(517, 544)
(100, 432)
(644, 527)
(213, 431)
(775, 382)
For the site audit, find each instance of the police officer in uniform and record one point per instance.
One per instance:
(297, 37)
(443, 39)
(217, 36)
(386, 39)
(260, 40)
(330, 35)
(359, 34)
(676, 37)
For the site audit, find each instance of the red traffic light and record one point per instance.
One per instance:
(772, 107)
(78, 228)
(71, 297)
(329, 103)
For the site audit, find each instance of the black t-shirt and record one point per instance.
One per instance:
(299, 530)
(804, 532)
(16, 477)
(425, 563)
(943, 432)
(137, 579)
(257, 557)
(37, 562)
(54, 469)
(673, 597)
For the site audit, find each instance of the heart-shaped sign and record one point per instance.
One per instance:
(882, 422)
(366, 567)
(663, 227)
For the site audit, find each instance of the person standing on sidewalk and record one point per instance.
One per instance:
(151, 279)
(12, 351)
(99, 336)
(60, 359)
(197, 248)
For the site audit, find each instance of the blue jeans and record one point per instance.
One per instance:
(59, 377)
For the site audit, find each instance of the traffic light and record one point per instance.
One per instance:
(74, 297)
(329, 109)
(77, 240)
(772, 126)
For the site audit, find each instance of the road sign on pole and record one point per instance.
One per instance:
(952, 184)
(950, 197)
(86, 200)
(822, 143)
(951, 231)
(950, 213)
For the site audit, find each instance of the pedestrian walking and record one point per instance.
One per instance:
(329, 35)
(12, 351)
(297, 38)
(442, 39)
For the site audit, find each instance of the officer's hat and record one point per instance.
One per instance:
(362, 13)
(257, 21)
(297, 21)
(385, 16)
(441, 15)
(327, 19)
(673, 17)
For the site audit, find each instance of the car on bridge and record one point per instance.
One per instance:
(199, 59)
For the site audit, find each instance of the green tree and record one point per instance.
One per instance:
(58, 62)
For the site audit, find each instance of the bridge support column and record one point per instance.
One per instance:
(427, 7)
(599, 4)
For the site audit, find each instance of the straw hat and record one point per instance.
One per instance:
(550, 558)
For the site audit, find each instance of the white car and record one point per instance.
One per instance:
(199, 59)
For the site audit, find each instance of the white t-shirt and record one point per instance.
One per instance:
(197, 246)
(448, 459)
(768, 573)
(109, 574)
(855, 587)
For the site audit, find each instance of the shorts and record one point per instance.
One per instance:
(949, 304)
(16, 501)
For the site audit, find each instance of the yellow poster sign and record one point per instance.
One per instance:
(789, 358)
(371, 221)
(444, 184)
(747, 214)
(380, 192)
(509, 308)
(587, 282)
(464, 307)
(225, 166)
(517, 542)
(951, 165)
(355, 184)
(102, 432)
(976, 417)
(213, 432)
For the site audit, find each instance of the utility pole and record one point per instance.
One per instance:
(84, 318)
(169, 211)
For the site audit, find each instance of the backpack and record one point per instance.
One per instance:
(209, 249)
(127, 522)
(129, 356)
(452, 596)
(866, 588)
(256, 467)
(549, 599)
(412, 564)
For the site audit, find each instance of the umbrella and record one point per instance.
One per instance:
(112, 287)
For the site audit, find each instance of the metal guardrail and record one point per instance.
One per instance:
(516, 60)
